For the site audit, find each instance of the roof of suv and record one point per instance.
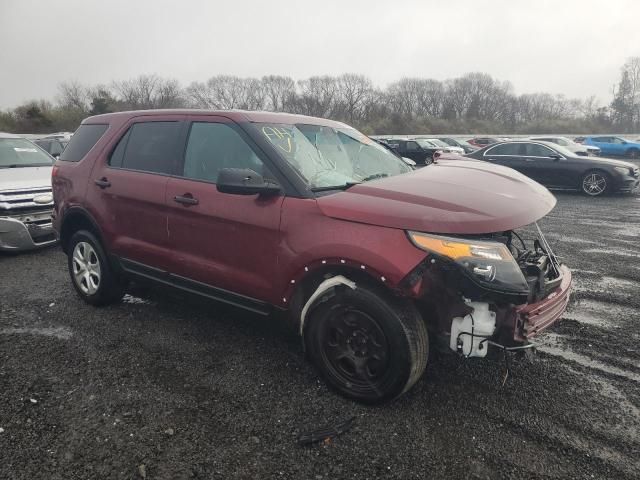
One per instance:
(235, 115)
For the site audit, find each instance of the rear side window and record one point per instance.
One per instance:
(510, 149)
(149, 147)
(82, 141)
(536, 150)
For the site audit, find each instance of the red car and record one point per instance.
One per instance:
(287, 213)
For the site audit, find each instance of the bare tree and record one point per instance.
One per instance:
(352, 93)
(74, 95)
(317, 96)
(148, 92)
(280, 92)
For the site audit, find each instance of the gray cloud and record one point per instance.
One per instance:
(572, 47)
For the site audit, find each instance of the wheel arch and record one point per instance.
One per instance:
(75, 219)
(304, 287)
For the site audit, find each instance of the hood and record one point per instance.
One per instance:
(609, 161)
(454, 197)
(24, 178)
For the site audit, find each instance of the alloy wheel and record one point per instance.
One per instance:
(86, 268)
(594, 184)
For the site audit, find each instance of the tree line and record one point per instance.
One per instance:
(472, 103)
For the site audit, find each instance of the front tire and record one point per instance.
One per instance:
(595, 183)
(367, 345)
(91, 274)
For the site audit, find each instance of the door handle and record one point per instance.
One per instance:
(102, 182)
(186, 199)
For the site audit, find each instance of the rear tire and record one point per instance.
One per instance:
(595, 183)
(367, 345)
(91, 273)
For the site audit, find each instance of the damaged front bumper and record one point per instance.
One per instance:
(469, 315)
(533, 318)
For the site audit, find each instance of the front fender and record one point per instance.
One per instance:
(311, 241)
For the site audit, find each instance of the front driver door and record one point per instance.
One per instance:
(224, 245)
(542, 166)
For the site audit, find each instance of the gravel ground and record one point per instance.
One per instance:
(167, 387)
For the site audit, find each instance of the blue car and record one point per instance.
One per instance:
(614, 146)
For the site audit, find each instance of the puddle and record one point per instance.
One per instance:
(607, 251)
(620, 228)
(135, 300)
(615, 282)
(586, 272)
(569, 239)
(63, 333)
(550, 345)
(591, 312)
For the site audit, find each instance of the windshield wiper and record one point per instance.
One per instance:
(334, 187)
(374, 176)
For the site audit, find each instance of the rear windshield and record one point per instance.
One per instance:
(82, 141)
(18, 152)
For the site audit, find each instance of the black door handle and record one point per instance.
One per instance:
(102, 183)
(186, 199)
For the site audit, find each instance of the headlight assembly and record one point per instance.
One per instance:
(487, 263)
(624, 170)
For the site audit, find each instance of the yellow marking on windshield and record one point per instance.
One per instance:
(277, 136)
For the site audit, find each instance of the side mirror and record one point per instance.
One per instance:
(243, 181)
(555, 156)
(624, 142)
(408, 161)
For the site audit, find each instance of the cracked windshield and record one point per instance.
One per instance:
(329, 157)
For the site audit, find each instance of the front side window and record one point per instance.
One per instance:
(148, 147)
(505, 149)
(83, 141)
(214, 146)
(327, 156)
(618, 141)
(18, 152)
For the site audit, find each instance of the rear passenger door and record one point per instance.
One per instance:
(506, 154)
(225, 246)
(127, 191)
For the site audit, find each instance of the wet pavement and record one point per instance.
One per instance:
(167, 387)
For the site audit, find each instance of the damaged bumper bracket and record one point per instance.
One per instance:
(533, 318)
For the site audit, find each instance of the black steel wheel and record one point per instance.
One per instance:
(367, 346)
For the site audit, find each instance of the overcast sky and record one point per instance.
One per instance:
(574, 47)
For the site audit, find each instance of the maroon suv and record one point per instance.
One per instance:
(278, 212)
